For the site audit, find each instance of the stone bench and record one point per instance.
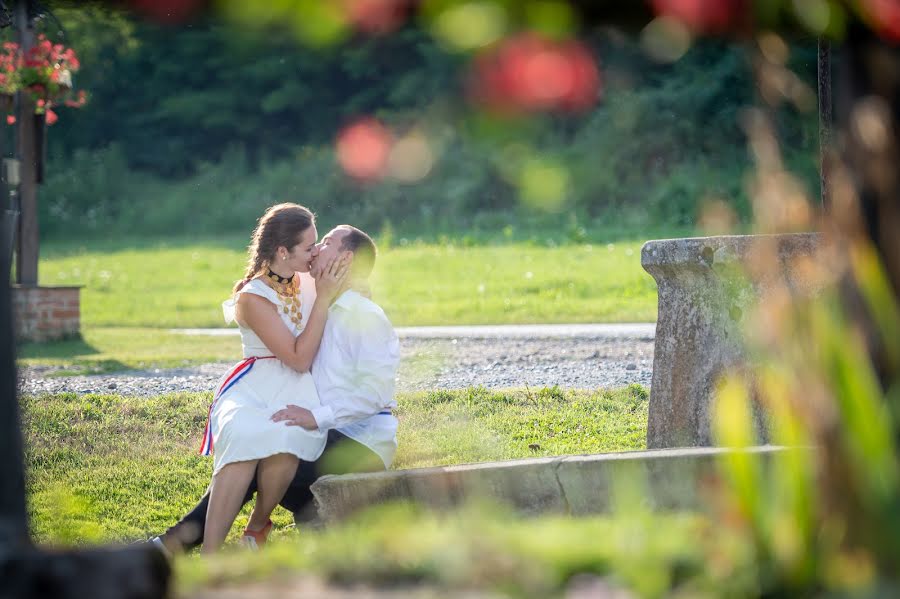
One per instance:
(704, 298)
(670, 479)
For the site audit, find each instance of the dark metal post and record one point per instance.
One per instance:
(10, 181)
(13, 515)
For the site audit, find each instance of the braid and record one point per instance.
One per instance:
(254, 266)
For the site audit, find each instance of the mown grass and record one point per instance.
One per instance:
(106, 349)
(182, 282)
(109, 467)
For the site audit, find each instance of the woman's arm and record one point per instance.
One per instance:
(261, 316)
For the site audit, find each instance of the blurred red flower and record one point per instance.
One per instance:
(363, 148)
(885, 17)
(705, 16)
(168, 11)
(376, 16)
(531, 73)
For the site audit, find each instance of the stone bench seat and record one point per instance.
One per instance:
(673, 479)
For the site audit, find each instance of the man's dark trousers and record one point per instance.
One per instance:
(342, 455)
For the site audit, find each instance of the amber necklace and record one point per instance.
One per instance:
(288, 289)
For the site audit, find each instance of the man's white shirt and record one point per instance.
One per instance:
(355, 370)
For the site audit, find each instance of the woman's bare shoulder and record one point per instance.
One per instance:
(254, 298)
(255, 288)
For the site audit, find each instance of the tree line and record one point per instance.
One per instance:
(194, 129)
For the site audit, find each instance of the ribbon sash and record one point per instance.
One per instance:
(231, 379)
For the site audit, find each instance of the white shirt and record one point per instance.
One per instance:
(354, 371)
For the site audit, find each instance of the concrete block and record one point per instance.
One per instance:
(706, 288)
(671, 479)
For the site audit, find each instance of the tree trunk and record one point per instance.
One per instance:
(26, 149)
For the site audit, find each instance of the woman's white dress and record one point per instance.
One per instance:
(240, 426)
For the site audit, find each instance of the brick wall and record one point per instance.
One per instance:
(46, 313)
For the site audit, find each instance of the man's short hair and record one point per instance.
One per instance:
(363, 248)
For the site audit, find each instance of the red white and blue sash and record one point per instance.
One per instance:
(230, 380)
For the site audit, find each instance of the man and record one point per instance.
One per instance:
(354, 372)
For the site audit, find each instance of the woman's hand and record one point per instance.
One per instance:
(331, 281)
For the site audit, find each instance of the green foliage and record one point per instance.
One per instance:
(826, 519)
(483, 549)
(217, 122)
(112, 467)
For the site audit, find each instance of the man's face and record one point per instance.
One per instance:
(328, 248)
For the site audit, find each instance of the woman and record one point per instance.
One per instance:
(278, 349)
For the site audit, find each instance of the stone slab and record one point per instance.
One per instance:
(669, 479)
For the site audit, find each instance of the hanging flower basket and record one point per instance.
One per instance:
(44, 74)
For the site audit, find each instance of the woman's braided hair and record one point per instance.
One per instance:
(281, 225)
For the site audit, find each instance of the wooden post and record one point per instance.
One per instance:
(863, 91)
(28, 238)
(825, 119)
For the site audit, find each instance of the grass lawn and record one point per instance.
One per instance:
(107, 349)
(108, 467)
(134, 291)
(182, 283)
(484, 552)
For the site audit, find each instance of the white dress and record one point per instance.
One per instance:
(240, 426)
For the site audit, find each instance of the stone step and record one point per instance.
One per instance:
(672, 479)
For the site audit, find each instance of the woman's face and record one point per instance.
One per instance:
(298, 257)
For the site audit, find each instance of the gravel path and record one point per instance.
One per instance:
(571, 356)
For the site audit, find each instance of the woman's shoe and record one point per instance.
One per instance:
(255, 539)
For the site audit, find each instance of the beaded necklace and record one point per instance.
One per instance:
(288, 289)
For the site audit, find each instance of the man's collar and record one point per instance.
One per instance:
(348, 299)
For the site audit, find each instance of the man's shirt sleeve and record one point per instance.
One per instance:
(368, 387)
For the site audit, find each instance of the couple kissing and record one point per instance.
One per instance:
(313, 394)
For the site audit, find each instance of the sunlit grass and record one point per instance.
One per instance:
(108, 467)
(182, 283)
(488, 552)
(104, 349)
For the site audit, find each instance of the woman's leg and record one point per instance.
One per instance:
(273, 476)
(226, 495)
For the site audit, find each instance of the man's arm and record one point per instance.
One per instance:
(368, 386)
